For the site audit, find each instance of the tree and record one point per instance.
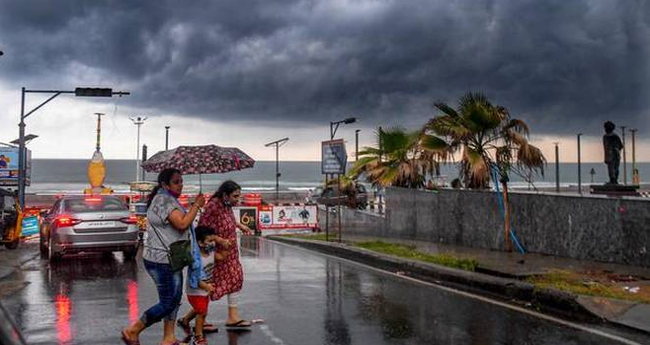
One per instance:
(401, 159)
(488, 138)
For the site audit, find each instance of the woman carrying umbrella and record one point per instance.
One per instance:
(169, 221)
(228, 273)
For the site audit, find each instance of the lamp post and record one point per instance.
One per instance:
(334, 126)
(579, 167)
(138, 121)
(624, 157)
(356, 144)
(635, 173)
(277, 144)
(167, 137)
(79, 92)
(557, 167)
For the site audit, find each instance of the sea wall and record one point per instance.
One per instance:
(589, 227)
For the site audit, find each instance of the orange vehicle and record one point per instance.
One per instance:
(11, 219)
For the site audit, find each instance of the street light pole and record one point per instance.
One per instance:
(356, 144)
(138, 121)
(557, 167)
(22, 154)
(635, 174)
(277, 144)
(334, 126)
(167, 138)
(579, 167)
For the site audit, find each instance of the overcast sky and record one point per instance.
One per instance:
(246, 72)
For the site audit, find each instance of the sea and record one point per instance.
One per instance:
(68, 176)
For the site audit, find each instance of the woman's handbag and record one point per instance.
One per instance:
(179, 253)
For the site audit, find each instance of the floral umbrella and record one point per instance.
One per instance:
(207, 159)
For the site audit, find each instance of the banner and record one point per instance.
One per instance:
(294, 215)
(247, 216)
(278, 217)
(9, 166)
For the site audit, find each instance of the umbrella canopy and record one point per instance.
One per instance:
(207, 159)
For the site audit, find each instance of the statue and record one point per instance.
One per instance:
(612, 145)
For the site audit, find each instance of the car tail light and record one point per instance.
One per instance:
(93, 199)
(63, 221)
(132, 219)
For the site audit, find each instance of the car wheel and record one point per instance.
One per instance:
(41, 246)
(130, 254)
(13, 244)
(51, 254)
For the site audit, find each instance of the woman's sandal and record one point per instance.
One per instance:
(239, 324)
(210, 328)
(200, 341)
(185, 326)
(127, 341)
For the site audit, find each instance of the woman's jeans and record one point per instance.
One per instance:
(170, 292)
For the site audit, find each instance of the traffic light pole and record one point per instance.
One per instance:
(22, 153)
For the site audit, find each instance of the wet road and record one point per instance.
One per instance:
(305, 298)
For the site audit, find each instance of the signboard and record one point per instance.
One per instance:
(334, 157)
(294, 215)
(30, 225)
(278, 217)
(9, 166)
(247, 216)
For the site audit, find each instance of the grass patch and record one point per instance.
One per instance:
(410, 252)
(584, 284)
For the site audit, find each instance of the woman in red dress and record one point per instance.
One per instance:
(228, 273)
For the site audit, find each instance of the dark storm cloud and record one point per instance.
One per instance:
(558, 64)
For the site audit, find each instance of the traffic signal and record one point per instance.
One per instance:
(93, 92)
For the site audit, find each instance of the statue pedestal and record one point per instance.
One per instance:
(615, 190)
(98, 191)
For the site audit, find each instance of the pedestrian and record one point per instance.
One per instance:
(200, 279)
(167, 222)
(228, 273)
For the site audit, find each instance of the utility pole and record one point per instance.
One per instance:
(356, 144)
(624, 157)
(144, 159)
(99, 129)
(138, 121)
(167, 138)
(557, 167)
(579, 167)
(635, 173)
(277, 144)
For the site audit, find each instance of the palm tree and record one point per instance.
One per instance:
(488, 139)
(401, 159)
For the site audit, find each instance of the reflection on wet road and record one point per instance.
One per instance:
(304, 298)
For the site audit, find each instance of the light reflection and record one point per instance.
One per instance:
(132, 299)
(63, 307)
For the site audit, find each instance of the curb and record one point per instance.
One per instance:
(548, 300)
(17, 267)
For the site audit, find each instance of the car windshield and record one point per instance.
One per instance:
(93, 205)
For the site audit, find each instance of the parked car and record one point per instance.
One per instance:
(89, 224)
(329, 196)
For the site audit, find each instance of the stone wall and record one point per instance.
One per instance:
(589, 227)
